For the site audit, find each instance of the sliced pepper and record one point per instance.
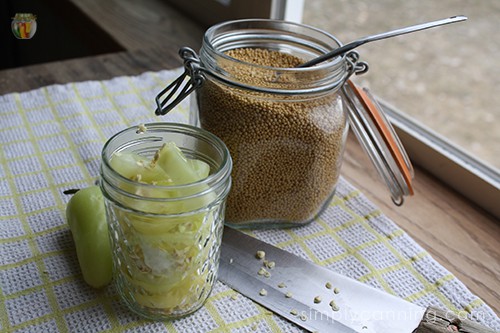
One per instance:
(22, 30)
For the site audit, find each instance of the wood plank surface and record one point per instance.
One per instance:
(90, 68)
(143, 24)
(459, 235)
(438, 321)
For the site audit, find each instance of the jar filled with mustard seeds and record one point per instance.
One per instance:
(284, 125)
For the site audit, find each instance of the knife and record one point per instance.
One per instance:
(320, 300)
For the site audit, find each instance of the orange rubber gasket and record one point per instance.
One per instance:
(385, 132)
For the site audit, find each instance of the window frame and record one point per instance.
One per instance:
(209, 12)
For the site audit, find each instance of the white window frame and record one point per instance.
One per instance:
(209, 12)
(288, 10)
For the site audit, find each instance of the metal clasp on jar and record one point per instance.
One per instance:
(355, 66)
(178, 90)
(192, 70)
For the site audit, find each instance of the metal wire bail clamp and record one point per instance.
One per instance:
(192, 70)
(354, 65)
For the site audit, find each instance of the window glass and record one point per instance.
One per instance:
(446, 78)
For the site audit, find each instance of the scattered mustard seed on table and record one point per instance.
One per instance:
(269, 264)
(334, 306)
(260, 254)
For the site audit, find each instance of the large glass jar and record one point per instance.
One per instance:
(284, 126)
(165, 238)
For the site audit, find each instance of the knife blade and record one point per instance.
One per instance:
(319, 299)
(291, 309)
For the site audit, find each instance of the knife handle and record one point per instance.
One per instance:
(439, 321)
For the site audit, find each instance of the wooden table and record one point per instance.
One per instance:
(459, 235)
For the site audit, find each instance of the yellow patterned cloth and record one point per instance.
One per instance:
(51, 139)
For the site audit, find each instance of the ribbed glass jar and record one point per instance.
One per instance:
(284, 126)
(165, 239)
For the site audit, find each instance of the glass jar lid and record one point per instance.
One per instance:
(380, 141)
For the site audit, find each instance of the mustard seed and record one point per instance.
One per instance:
(260, 254)
(334, 306)
(269, 264)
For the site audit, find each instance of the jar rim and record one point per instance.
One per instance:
(273, 23)
(222, 173)
(309, 40)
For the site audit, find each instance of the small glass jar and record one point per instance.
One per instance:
(285, 126)
(24, 25)
(165, 239)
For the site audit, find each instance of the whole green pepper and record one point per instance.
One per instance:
(86, 218)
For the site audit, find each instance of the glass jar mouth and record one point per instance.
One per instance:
(303, 41)
(121, 141)
(218, 36)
